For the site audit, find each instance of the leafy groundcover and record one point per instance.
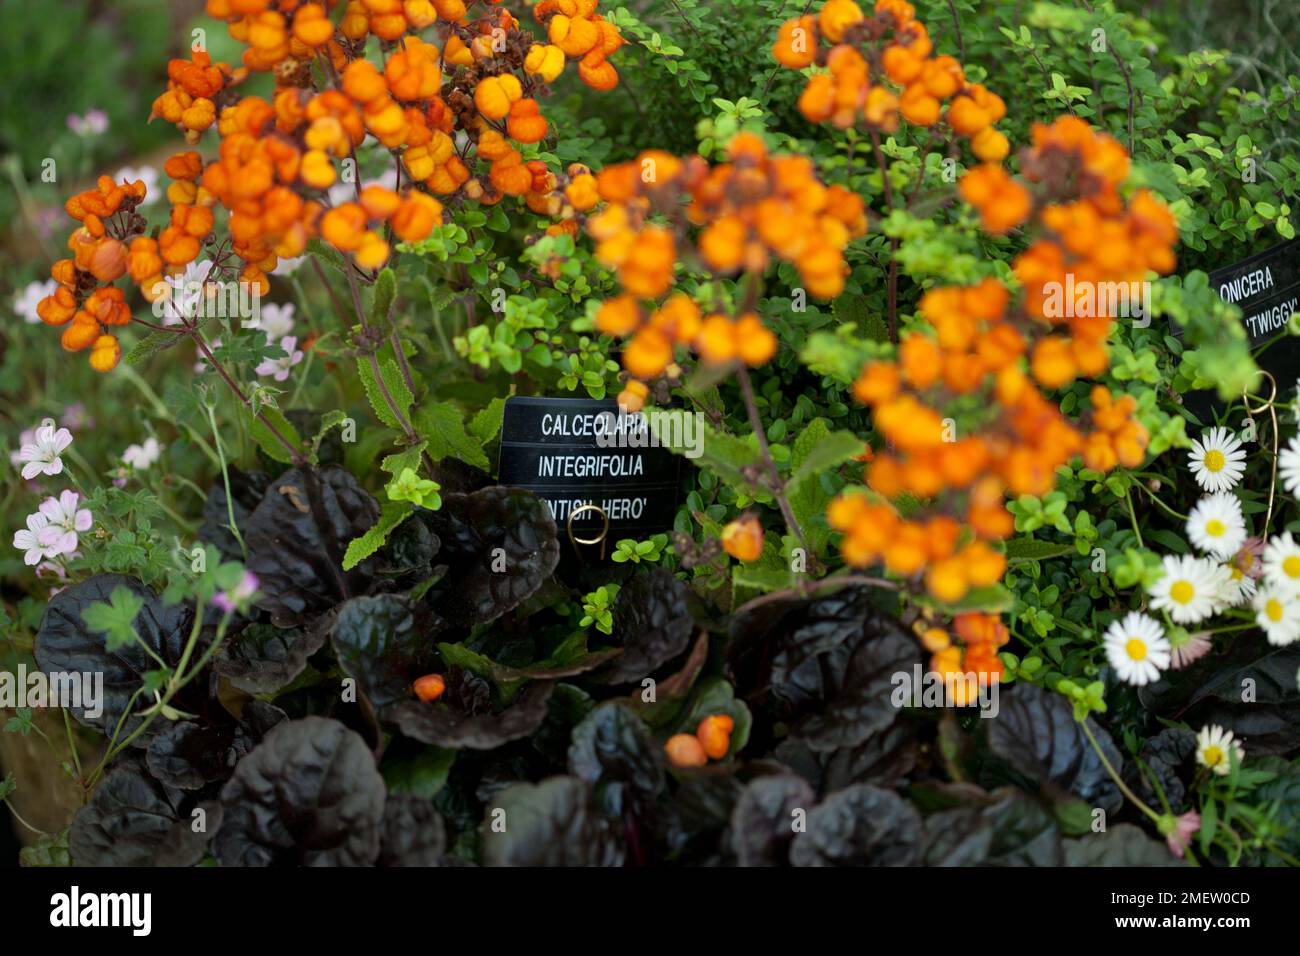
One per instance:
(975, 494)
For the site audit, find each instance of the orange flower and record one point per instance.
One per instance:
(743, 538)
(1002, 202)
(429, 687)
(796, 43)
(685, 751)
(714, 735)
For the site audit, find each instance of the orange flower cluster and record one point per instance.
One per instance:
(85, 303)
(711, 741)
(192, 88)
(976, 654)
(915, 85)
(874, 533)
(1092, 238)
(748, 209)
(278, 157)
(980, 344)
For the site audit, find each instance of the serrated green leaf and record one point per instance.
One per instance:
(381, 301)
(1031, 549)
(486, 425)
(267, 441)
(396, 385)
(391, 514)
(442, 425)
(152, 344)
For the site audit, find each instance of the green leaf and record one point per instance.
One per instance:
(151, 344)
(381, 302)
(422, 775)
(486, 425)
(442, 425)
(328, 255)
(725, 455)
(1032, 549)
(818, 449)
(267, 441)
(391, 514)
(116, 619)
(396, 385)
(399, 461)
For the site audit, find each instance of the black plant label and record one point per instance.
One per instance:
(576, 452)
(1266, 287)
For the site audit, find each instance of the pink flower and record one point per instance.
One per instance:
(1180, 832)
(94, 123)
(65, 521)
(41, 455)
(1194, 648)
(29, 540)
(279, 368)
(238, 597)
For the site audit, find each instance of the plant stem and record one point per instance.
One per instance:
(295, 453)
(893, 242)
(1128, 499)
(774, 476)
(225, 478)
(1123, 787)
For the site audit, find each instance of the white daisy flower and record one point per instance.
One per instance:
(1190, 589)
(1217, 526)
(1288, 466)
(1137, 648)
(1216, 459)
(1216, 748)
(41, 457)
(1277, 611)
(140, 457)
(1238, 586)
(1282, 562)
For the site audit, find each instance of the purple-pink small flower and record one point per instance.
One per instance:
(1179, 836)
(279, 368)
(238, 597)
(64, 522)
(94, 123)
(40, 456)
(28, 540)
(76, 417)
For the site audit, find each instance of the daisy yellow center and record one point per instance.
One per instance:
(1291, 566)
(1214, 460)
(1236, 573)
(1215, 528)
(1136, 649)
(1213, 756)
(1182, 591)
(1273, 608)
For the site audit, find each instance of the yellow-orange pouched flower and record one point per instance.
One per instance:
(743, 538)
(714, 734)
